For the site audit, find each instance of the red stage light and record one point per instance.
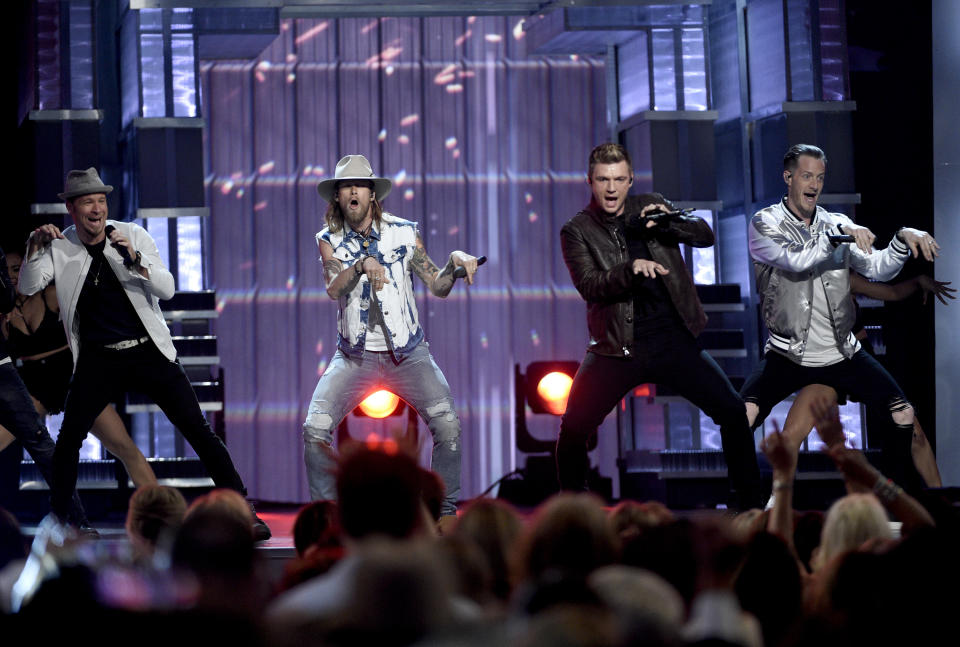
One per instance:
(645, 391)
(379, 404)
(546, 386)
(554, 388)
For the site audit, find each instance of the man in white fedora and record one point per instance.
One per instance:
(109, 302)
(369, 259)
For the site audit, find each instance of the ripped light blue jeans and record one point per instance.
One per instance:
(417, 379)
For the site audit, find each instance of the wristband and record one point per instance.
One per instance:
(782, 485)
(886, 490)
(136, 260)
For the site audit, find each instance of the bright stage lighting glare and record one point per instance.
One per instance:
(554, 388)
(380, 404)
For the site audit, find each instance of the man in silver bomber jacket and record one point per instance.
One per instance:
(804, 283)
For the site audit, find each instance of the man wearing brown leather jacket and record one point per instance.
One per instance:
(643, 317)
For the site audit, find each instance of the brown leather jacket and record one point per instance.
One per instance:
(596, 255)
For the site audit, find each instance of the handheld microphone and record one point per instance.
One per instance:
(124, 252)
(845, 238)
(461, 272)
(658, 216)
(637, 221)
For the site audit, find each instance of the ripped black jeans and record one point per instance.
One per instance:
(861, 378)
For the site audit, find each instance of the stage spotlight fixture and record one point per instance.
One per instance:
(380, 404)
(548, 386)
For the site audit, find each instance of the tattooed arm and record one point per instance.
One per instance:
(340, 281)
(440, 282)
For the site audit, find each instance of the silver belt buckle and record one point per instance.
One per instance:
(126, 343)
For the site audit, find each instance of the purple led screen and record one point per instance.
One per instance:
(486, 147)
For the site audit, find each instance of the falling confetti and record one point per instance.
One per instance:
(240, 193)
(389, 70)
(382, 135)
(408, 194)
(518, 31)
(463, 37)
(291, 58)
(321, 367)
(310, 33)
(291, 282)
(226, 187)
(403, 139)
(484, 342)
(532, 216)
(456, 153)
(528, 197)
(221, 304)
(450, 143)
(454, 88)
(400, 177)
(534, 337)
(319, 347)
(266, 167)
(445, 75)
(260, 206)
(453, 231)
(409, 120)
(261, 70)
(291, 77)
(493, 38)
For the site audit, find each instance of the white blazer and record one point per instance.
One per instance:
(67, 262)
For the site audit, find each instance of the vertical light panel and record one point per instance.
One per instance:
(801, 51)
(704, 258)
(664, 70)
(833, 50)
(182, 50)
(81, 56)
(153, 99)
(48, 54)
(694, 69)
(130, 67)
(189, 254)
(633, 76)
(765, 53)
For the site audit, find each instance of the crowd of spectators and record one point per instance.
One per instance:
(374, 569)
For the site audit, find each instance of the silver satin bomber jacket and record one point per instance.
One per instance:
(788, 257)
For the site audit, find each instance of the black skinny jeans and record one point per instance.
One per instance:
(862, 378)
(672, 358)
(101, 377)
(20, 418)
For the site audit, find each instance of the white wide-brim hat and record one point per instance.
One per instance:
(354, 167)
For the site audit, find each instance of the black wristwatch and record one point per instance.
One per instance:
(136, 260)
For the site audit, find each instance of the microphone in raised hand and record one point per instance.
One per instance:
(124, 252)
(461, 271)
